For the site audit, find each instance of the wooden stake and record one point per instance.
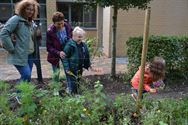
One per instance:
(144, 54)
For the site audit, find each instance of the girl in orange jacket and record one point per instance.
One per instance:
(154, 71)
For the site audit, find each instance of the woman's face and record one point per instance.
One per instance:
(59, 25)
(29, 11)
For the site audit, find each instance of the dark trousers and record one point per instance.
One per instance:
(73, 81)
(135, 91)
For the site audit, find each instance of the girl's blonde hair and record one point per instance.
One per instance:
(22, 5)
(78, 31)
(157, 68)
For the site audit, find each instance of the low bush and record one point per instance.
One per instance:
(93, 46)
(93, 107)
(165, 112)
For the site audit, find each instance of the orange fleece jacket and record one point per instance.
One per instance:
(147, 80)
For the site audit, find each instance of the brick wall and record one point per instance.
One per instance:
(168, 17)
(50, 9)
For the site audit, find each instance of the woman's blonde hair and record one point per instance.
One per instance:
(22, 5)
(157, 68)
(78, 31)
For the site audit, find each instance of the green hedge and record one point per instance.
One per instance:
(174, 49)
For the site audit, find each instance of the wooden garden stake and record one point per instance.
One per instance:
(144, 53)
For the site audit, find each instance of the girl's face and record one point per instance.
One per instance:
(29, 11)
(150, 73)
(147, 69)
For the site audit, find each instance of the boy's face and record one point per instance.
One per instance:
(79, 37)
(59, 25)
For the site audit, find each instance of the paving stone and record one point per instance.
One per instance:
(8, 72)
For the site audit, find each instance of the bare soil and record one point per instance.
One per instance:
(118, 85)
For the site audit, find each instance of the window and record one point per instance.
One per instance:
(42, 20)
(7, 12)
(15, 1)
(5, 1)
(42, 11)
(77, 14)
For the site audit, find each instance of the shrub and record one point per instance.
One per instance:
(93, 47)
(94, 107)
(174, 49)
(125, 110)
(165, 112)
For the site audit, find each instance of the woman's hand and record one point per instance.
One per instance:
(62, 54)
(1, 43)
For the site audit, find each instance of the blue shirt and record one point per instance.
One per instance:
(62, 35)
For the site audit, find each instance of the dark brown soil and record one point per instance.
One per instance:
(117, 86)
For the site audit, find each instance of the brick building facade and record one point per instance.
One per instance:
(168, 17)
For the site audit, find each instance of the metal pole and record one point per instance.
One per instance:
(144, 54)
(100, 27)
(36, 55)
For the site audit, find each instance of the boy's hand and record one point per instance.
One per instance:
(153, 90)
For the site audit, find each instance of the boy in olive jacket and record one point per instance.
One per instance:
(77, 58)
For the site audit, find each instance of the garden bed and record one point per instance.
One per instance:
(118, 85)
(106, 101)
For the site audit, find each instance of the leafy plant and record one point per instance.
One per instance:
(93, 47)
(28, 107)
(125, 109)
(6, 115)
(165, 111)
(93, 107)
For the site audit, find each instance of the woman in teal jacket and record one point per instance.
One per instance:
(77, 58)
(20, 25)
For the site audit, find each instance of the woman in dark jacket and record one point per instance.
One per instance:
(56, 37)
(77, 58)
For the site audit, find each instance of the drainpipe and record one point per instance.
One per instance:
(100, 27)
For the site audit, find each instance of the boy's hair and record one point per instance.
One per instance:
(157, 68)
(57, 16)
(78, 31)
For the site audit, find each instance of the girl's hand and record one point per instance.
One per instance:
(153, 90)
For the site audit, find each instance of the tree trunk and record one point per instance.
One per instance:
(144, 55)
(113, 65)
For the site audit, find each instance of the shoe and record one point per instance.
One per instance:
(18, 100)
(134, 96)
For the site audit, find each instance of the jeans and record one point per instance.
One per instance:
(73, 81)
(25, 71)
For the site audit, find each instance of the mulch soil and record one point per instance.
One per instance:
(113, 87)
